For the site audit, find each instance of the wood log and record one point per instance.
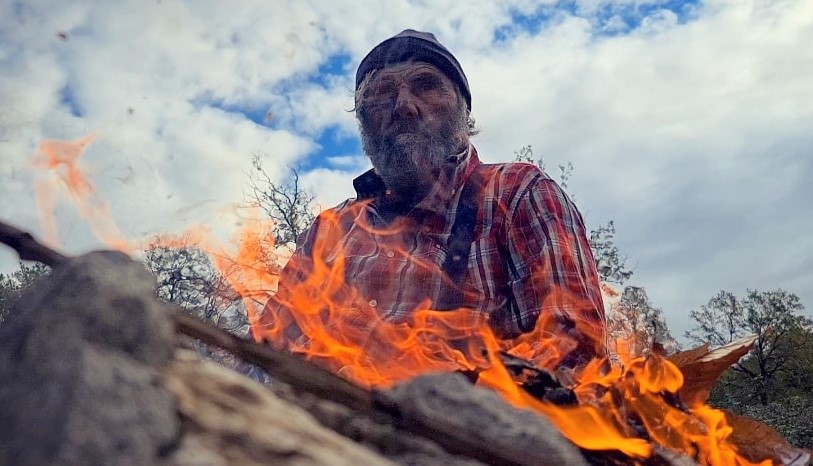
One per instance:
(228, 419)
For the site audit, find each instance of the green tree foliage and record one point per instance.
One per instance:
(12, 284)
(797, 376)
(772, 315)
(790, 416)
(791, 399)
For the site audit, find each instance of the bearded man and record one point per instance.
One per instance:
(433, 227)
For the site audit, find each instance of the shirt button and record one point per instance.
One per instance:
(390, 254)
(373, 303)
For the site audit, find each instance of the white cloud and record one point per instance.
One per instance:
(312, 108)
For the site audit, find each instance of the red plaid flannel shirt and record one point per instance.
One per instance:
(529, 258)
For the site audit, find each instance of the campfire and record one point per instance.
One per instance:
(634, 410)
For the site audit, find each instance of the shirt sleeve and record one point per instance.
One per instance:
(277, 324)
(553, 282)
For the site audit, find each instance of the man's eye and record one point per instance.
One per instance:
(425, 83)
(383, 89)
(376, 101)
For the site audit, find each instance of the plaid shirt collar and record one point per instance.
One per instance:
(439, 201)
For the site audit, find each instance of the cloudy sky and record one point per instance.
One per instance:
(690, 124)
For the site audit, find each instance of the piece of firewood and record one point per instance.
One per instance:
(230, 419)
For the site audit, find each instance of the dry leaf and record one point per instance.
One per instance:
(683, 358)
(701, 368)
(757, 442)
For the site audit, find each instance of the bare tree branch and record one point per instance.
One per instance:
(288, 204)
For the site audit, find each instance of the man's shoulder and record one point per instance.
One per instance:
(330, 219)
(348, 208)
(511, 177)
(511, 184)
(513, 171)
(342, 206)
(349, 204)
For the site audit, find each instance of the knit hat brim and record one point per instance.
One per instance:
(417, 46)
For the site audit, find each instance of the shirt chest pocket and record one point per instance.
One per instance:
(387, 262)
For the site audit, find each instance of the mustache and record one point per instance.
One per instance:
(407, 125)
(407, 133)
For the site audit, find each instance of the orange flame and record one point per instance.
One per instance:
(359, 344)
(356, 342)
(59, 160)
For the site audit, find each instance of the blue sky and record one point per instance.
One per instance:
(688, 122)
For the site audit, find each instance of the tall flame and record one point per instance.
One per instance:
(363, 347)
(371, 351)
(59, 161)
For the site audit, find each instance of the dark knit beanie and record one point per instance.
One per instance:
(418, 46)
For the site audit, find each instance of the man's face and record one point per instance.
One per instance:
(412, 119)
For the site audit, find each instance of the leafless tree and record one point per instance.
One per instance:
(287, 203)
(186, 277)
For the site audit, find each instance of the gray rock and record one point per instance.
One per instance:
(79, 360)
(105, 298)
(402, 447)
(452, 403)
(120, 415)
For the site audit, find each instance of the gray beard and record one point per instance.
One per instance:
(411, 163)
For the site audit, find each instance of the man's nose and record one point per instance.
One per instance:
(405, 103)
